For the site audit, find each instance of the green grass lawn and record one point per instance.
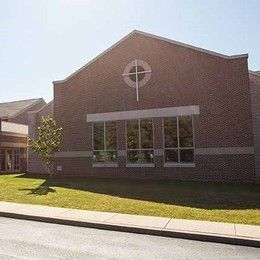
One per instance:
(237, 203)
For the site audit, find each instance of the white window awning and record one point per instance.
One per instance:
(144, 113)
(14, 128)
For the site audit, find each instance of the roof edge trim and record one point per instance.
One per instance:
(255, 73)
(239, 56)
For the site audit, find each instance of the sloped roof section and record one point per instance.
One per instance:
(158, 38)
(11, 109)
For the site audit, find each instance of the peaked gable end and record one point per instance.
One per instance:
(136, 32)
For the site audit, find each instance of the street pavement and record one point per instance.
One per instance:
(23, 239)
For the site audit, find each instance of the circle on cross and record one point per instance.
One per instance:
(136, 74)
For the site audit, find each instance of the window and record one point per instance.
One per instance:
(140, 141)
(104, 142)
(178, 140)
(10, 159)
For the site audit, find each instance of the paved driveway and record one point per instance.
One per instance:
(34, 240)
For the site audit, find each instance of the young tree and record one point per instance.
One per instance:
(47, 142)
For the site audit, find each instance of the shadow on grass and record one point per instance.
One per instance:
(205, 195)
(42, 189)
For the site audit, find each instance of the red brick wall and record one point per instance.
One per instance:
(255, 101)
(180, 77)
(13, 139)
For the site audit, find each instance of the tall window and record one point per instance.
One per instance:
(140, 141)
(105, 142)
(178, 140)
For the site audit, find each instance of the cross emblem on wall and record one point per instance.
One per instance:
(137, 74)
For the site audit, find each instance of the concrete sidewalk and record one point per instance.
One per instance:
(188, 229)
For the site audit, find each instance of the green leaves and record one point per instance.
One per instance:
(48, 141)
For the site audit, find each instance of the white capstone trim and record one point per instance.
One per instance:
(212, 53)
(144, 113)
(224, 150)
(140, 165)
(180, 165)
(105, 165)
(14, 128)
(158, 152)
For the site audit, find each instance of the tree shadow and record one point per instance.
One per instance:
(42, 189)
(204, 195)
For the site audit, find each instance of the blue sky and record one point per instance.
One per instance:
(42, 41)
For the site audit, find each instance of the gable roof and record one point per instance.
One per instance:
(158, 38)
(51, 103)
(13, 108)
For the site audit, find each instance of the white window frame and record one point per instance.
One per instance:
(104, 164)
(179, 163)
(129, 164)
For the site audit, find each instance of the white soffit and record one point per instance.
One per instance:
(145, 113)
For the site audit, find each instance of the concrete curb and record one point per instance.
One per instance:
(233, 240)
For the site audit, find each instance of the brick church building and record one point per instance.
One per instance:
(150, 107)
(14, 133)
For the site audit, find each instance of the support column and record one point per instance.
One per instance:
(121, 137)
(158, 142)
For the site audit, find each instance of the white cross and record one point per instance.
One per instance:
(136, 73)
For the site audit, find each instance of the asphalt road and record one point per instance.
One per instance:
(20, 239)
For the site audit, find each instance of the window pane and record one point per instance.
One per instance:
(170, 132)
(132, 156)
(111, 136)
(146, 129)
(111, 156)
(171, 156)
(132, 134)
(98, 132)
(140, 76)
(146, 156)
(187, 155)
(99, 157)
(185, 131)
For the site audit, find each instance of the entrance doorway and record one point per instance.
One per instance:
(10, 160)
